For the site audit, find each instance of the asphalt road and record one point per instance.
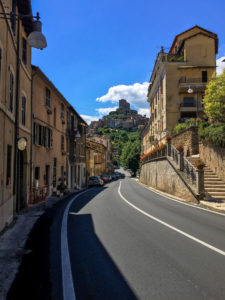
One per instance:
(143, 246)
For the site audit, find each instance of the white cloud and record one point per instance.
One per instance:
(105, 111)
(144, 112)
(135, 94)
(220, 65)
(89, 119)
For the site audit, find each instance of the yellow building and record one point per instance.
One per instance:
(58, 148)
(96, 155)
(15, 109)
(178, 82)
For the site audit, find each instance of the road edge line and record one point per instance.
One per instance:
(171, 227)
(179, 201)
(67, 278)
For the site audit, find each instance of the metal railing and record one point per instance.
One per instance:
(174, 154)
(191, 80)
(189, 170)
(38, 194)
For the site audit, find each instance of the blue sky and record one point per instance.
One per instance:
(105, 49)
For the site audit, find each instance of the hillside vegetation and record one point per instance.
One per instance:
(127, 144)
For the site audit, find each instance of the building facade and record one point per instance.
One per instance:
(58, 151)
(99, 156)
(15, 109)
(178, 82)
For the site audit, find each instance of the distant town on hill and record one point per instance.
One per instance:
(123, 118)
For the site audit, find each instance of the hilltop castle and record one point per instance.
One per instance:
(123, 117)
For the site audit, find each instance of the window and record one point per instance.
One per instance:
(38, 134)
(11, 90)
(54, 117)
(161, 86)
(72, 122)
(47, 97)
(24, 51)
(204, 76)
(62, 173)
(8, 167)
(13, 16)
(62, 143)
(188, 102)
(62, 111)
(37, 173)
(47, 137)
(54, 171)
(155, 113)
(23, 110)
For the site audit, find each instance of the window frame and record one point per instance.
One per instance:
(24, 50)
(11, 91)
(47, 97)
(23, 110)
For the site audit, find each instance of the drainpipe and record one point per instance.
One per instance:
(31, 133)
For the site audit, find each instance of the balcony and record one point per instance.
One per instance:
(191, 105)
(185, 82)
(173, 58)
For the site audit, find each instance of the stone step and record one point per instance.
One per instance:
(215, 189)
(213, 194)
(212, 179)
(216, 185)
(210, 176)
(221, 198)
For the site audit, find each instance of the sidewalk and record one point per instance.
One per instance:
(14, 238)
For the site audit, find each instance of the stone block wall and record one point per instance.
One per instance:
(214, 157)
(189, 138)
(161, 175)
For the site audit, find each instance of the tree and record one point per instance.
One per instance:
(131, 156)
(214, 100)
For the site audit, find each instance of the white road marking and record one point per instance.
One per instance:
(181, 202)
(67, 278)
(171, 227)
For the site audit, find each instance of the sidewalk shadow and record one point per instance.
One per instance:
(95, 274)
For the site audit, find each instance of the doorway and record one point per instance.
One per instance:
(21, 180)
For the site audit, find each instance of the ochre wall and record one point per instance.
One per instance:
(159, 174)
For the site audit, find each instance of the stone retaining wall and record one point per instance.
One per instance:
(214, 157)
(188, 138)
(161, 175)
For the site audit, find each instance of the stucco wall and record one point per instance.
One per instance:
(160, 174)
(214, 157)
(189, 138)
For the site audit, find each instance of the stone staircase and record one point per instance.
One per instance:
(214, 186)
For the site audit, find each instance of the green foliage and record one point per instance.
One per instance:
(120, 137)
(213, 133)
(131, 155)
(115, 162)
(214, 100)
(182, 126)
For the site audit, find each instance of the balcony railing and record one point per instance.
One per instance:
(191, 80)
(188, 104)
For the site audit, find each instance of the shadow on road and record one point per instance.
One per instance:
(95, 274)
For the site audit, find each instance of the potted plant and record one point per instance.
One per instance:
(180, 148)
(199, 164)
(169, 138)
(61, 186)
